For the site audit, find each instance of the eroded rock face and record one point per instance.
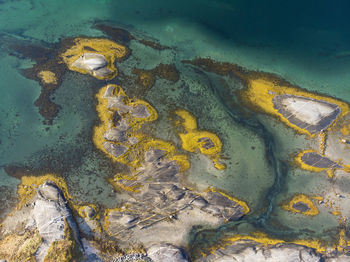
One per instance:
(167, 252)
(51, 214)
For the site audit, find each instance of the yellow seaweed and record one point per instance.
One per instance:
(48, 77)
(313, 210)
(109, 49)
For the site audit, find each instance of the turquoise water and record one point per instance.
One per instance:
(303, 43)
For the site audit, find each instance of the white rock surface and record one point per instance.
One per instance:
(307, 110)
(94, 63)
(166, 252)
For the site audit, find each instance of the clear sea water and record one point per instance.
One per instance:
(304, 42)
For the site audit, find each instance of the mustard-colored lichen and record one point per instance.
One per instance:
(301, 198)
(109, 49)
(48, 77)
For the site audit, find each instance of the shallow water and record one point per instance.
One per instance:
(302, 43)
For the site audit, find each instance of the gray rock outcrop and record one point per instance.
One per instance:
(51, 214)
(167, 252)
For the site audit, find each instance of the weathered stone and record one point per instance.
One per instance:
(218, 199)
(167, 252)
(102, 72)
(115, 150)
(51, 213)
(109, 91)
(175, 193)
(115, 135)
(302, 207)
(199, 202)
(214, 210)
(154, 155)
(133, 140)
(116, 102)
(140, 111)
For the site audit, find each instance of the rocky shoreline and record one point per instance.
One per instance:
(158, 208)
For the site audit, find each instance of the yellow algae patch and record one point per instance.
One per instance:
(189, 121)
(182, 161)
(48, 77)
(106, 119)
(109, 49)
(345, 129)
(323, 140)
(330, 172)
(260, 93)
(241, 203)
(27, 188)
(193, 139)
(301, 199)
(199, 140)
(301, 164)
(217, 164)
